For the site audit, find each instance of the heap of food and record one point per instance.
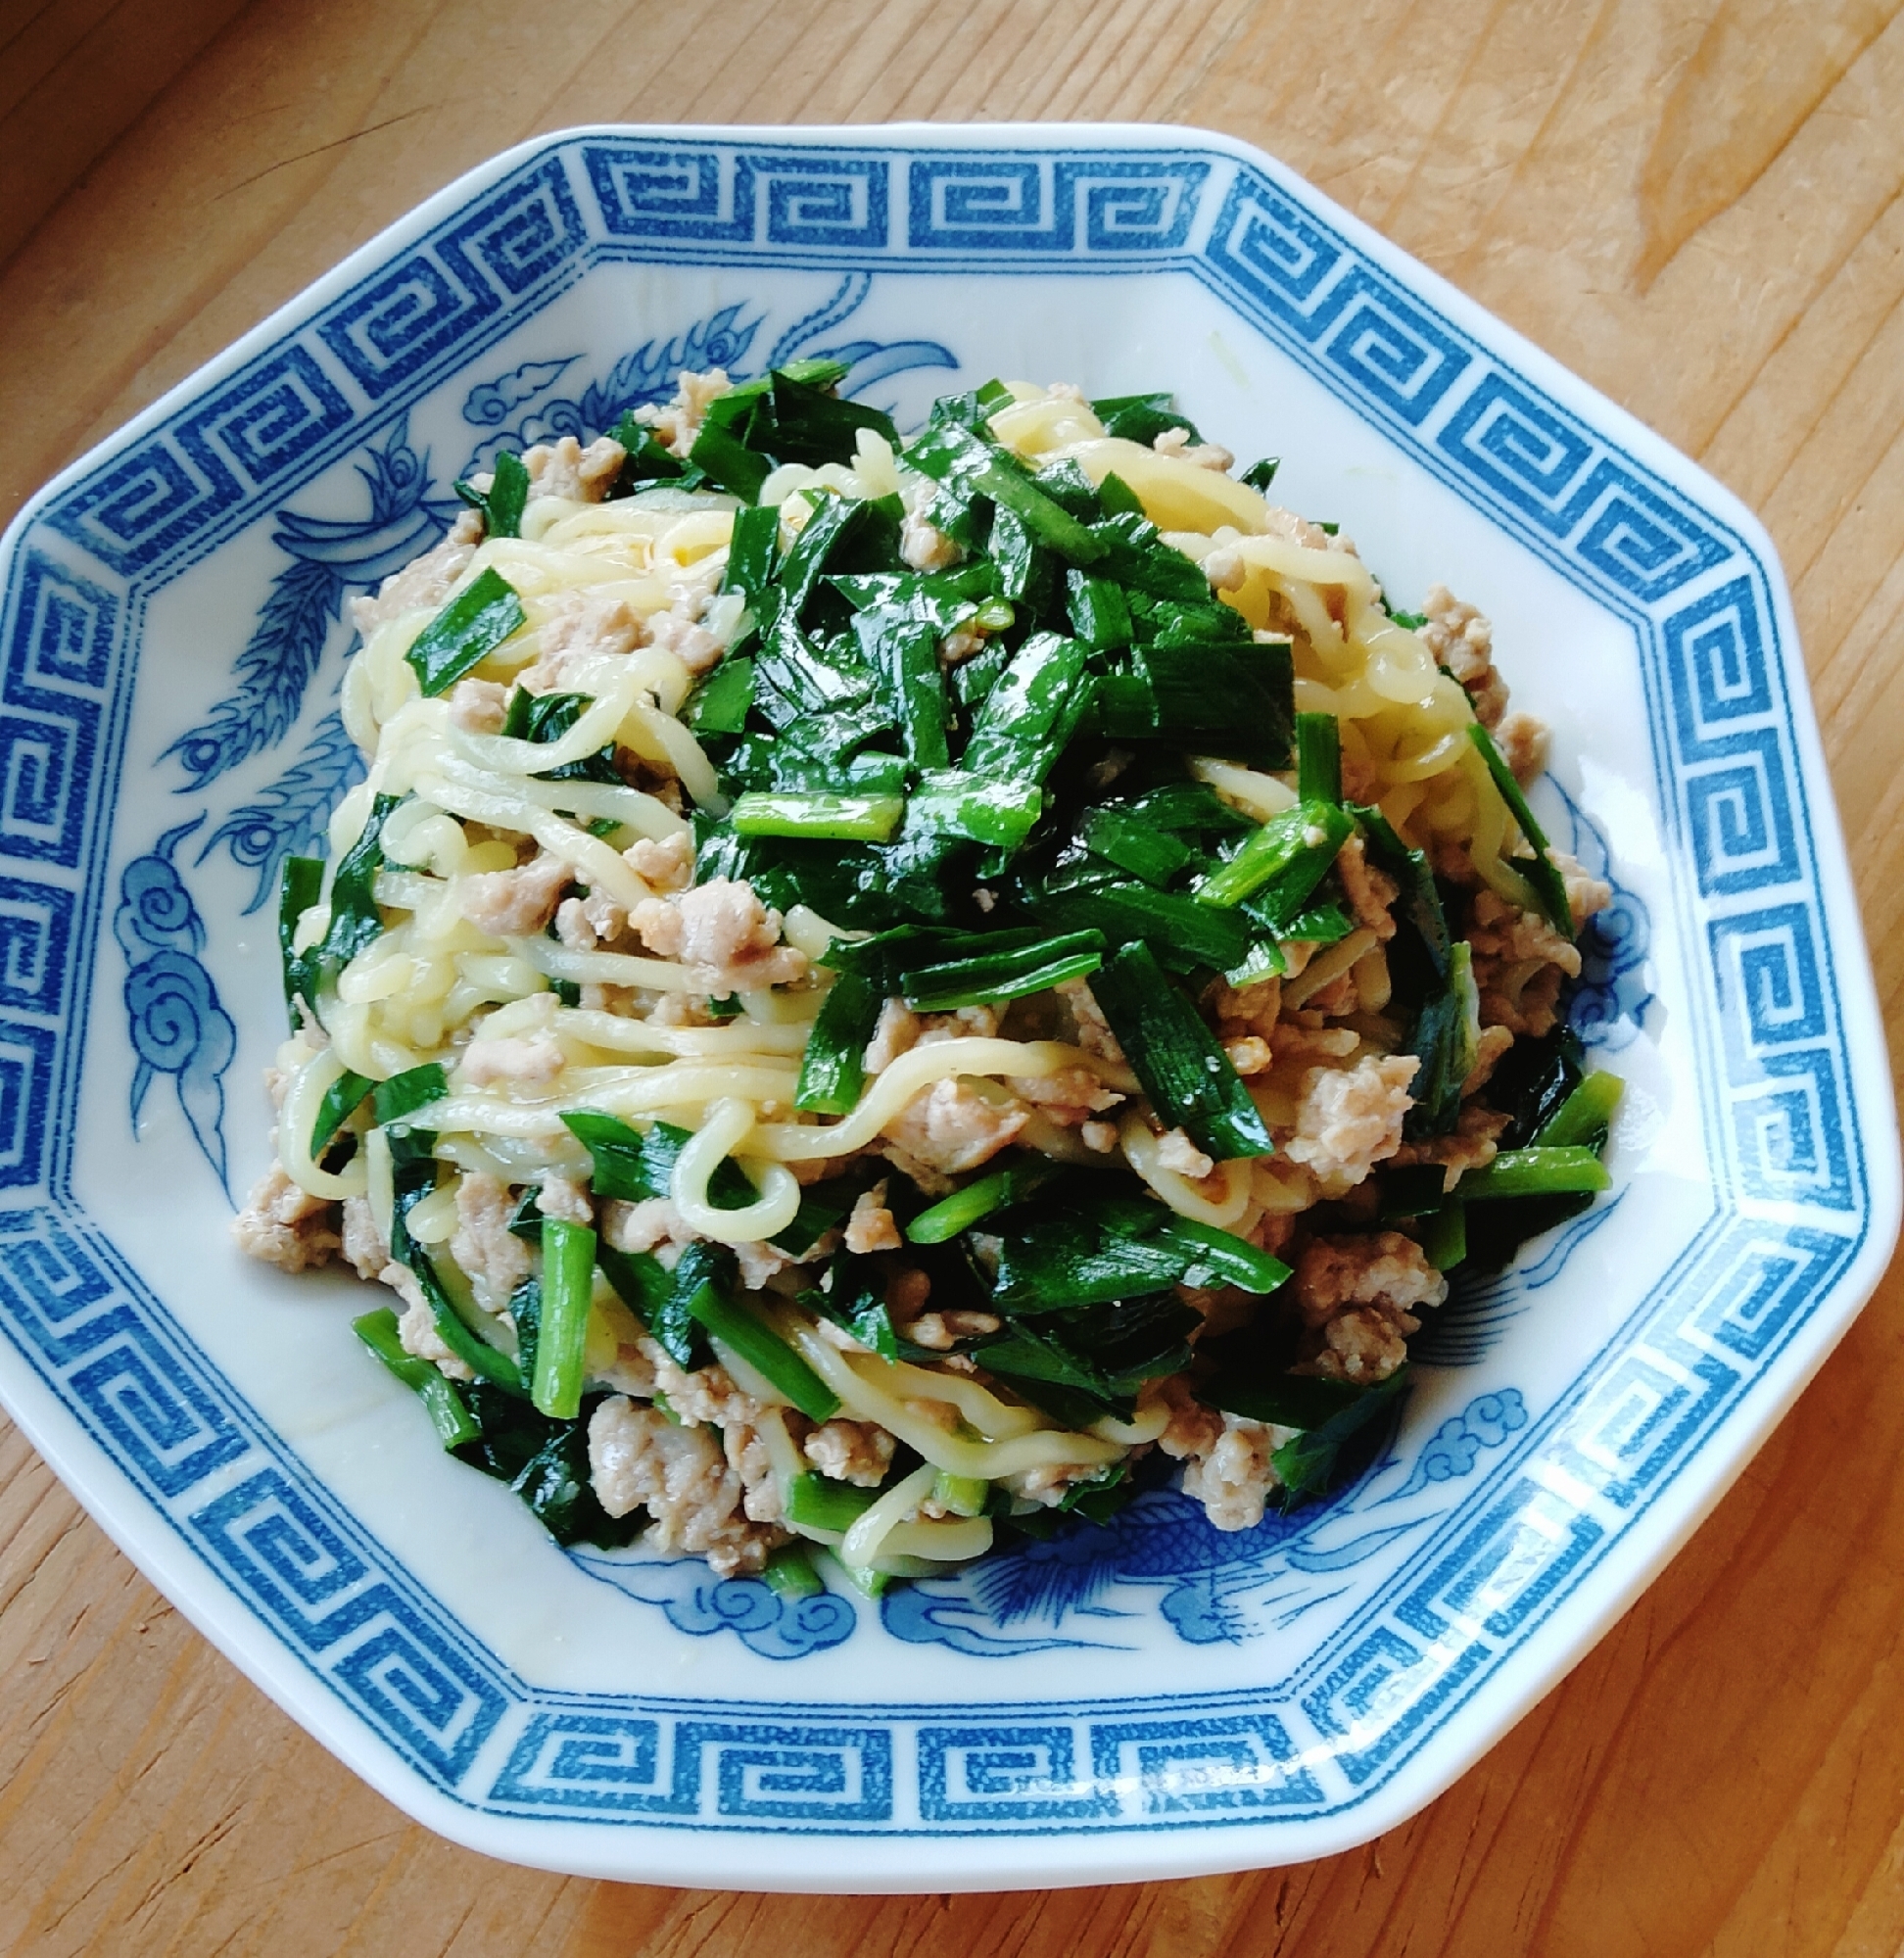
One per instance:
(876, 996)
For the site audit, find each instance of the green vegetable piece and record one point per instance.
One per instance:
(855, 1298)
(842, 534)
(721, 702)
(1131, 550)
(981, 808)
(724, 458)
(904, 653)
(1020, 565)
(648, 460)
(1185, 806)
(1142, 418)
(1259, 475)
(974, 678)
(1587, 1114)
(1541, 871)
(1283, 862)
(562, 1335)
(633, 1167)
(475, 1352)
(944, 1219)
(971, 411)
(1105, 1351)
(445, 1405)
(989, 977)
(832, 1069)
(789, 1573)
(1183, 1070)
(301, 885)
(341, 1100)
(404, 1094)
(525, 1308)
(871, 818)
(1318, 752)
(864, 1579)
(1215, 1257)
(753, 549)
(1536, 1172)
(1225, 699)
(1279, 1399)
(1447, 1035)
(962, 1495)
(1264, 961)
(554, 1484)
(545, 718)
(1099, 615)
(818, 1503)
(793, 677)
(1318, 925)
(638, 1278)
(1118, 499)
(354, 919)
(1444, 1238)
(1309, 1466)
(763, 1348)
(806, 422)
(1125, 838)
(502, 503)
(1066, 1260)
(1178, 930)
(466, 632)
(622, 1165)
(970, 466)
(1031, 713)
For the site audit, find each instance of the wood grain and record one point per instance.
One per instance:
(74, 76)
(1697, 205)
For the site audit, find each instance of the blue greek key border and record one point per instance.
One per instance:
(1783, 1127)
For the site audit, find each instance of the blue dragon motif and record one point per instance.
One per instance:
(701, 1603)
(171, 1006)
(1217, 1586)
(291, 815)
(1609, 1004)
(328, 557)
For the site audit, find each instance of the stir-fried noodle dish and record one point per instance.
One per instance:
(882, 996)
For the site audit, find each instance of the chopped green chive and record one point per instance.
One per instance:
(563, 1334)
(1586, 1114)
(867, 818)
(466, 632)
(1536, 1172)
(818, 1503)
(341, 1100)
(404, 1094)
(1539, 870)
(1187, 1076)
(449, 1415)
(764, 1350)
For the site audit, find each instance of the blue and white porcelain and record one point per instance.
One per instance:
(1144, 1700)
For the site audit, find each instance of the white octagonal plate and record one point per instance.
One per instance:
(1148, 1699)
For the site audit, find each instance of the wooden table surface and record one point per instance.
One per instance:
(1694, 203)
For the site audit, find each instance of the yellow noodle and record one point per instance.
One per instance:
(945, 1060)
